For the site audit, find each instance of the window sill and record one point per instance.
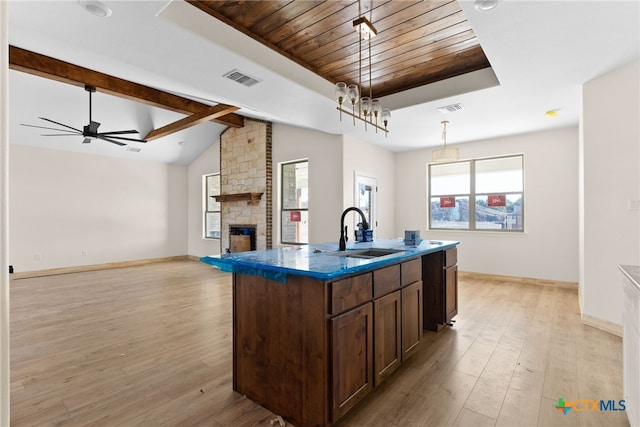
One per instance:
(515, 234)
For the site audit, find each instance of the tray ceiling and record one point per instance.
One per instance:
(418, 42)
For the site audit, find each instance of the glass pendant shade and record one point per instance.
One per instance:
(385, 115)
(366, 105)
(353, 93)
(341, 92)
(376, 107)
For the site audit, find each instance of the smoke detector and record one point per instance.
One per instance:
(96, 8)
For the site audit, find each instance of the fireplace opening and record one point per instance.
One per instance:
(242, 237)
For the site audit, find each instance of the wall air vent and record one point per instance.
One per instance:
(451, 108)
(133, 149)
(242, 78)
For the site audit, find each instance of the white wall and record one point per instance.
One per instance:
(611, 155)
(370, 160)
(207, 163)
(324, 152)
(548, 248)
(70, 209)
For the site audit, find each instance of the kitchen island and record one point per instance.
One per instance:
(315, 329)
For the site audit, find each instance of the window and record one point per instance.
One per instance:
(294, 214)
(480, 194)
(212, 208)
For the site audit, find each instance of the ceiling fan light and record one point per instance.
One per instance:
(96, 8)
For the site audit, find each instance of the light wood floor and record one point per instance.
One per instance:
(151, 346)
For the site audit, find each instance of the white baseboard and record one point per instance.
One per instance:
(603, 325)
(517, 279)
(94, 267)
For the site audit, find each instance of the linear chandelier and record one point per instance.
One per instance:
(369, 108)
(444, 154)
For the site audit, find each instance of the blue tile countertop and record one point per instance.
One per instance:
(320, 261)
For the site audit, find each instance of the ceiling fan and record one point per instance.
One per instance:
(90, 131)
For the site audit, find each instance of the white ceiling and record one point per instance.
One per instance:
(541, 53)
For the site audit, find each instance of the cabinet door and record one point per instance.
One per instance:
(411, 319)
(387, 343)
(352, 358)
(451, 292)
(433, 304)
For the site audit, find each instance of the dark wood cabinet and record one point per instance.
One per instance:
(411, 319)
(397, 318)
(388, 339)
(440, 299)
(352, 358)
(310, 349)
(451, 292)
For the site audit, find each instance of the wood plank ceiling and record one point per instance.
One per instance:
(418, 42)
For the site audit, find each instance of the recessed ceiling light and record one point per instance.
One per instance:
(96, 8)
(551, 113)
(485, 4)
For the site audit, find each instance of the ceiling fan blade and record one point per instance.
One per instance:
(101, 135)
(48, 128)
(119, 132)
(113, 141)
(86, 141)
(58, 134)
(60, 124)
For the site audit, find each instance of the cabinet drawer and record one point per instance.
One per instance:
(411, 271)
(450, 257)
(386, 280)
(349, 293)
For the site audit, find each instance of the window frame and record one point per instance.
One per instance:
(281, 204)
(473, 195)
(206, 211)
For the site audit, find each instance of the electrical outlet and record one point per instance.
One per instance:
(85, 252)
(37, 256)
(634, 205)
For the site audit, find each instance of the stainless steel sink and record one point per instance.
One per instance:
(367, 253)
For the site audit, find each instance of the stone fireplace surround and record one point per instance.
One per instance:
(245, 172)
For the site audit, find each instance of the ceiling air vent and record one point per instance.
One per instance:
(451, 108)
(241, 78)
(134, 149)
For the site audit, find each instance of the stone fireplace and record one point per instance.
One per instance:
(246, 184)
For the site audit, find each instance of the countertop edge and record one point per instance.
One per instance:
(279, 273)
(632, 273)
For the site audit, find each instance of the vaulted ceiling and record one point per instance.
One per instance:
(427, 54)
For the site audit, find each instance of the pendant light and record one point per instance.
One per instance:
(369, 109)
(444, 154)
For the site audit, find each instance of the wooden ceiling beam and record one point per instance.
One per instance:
(207, 114)
(55, 69)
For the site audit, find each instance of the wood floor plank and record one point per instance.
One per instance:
(151, 346)
(468, 418)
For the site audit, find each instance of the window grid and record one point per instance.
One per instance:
(508, 221)
(294, 202)
(211, 218)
